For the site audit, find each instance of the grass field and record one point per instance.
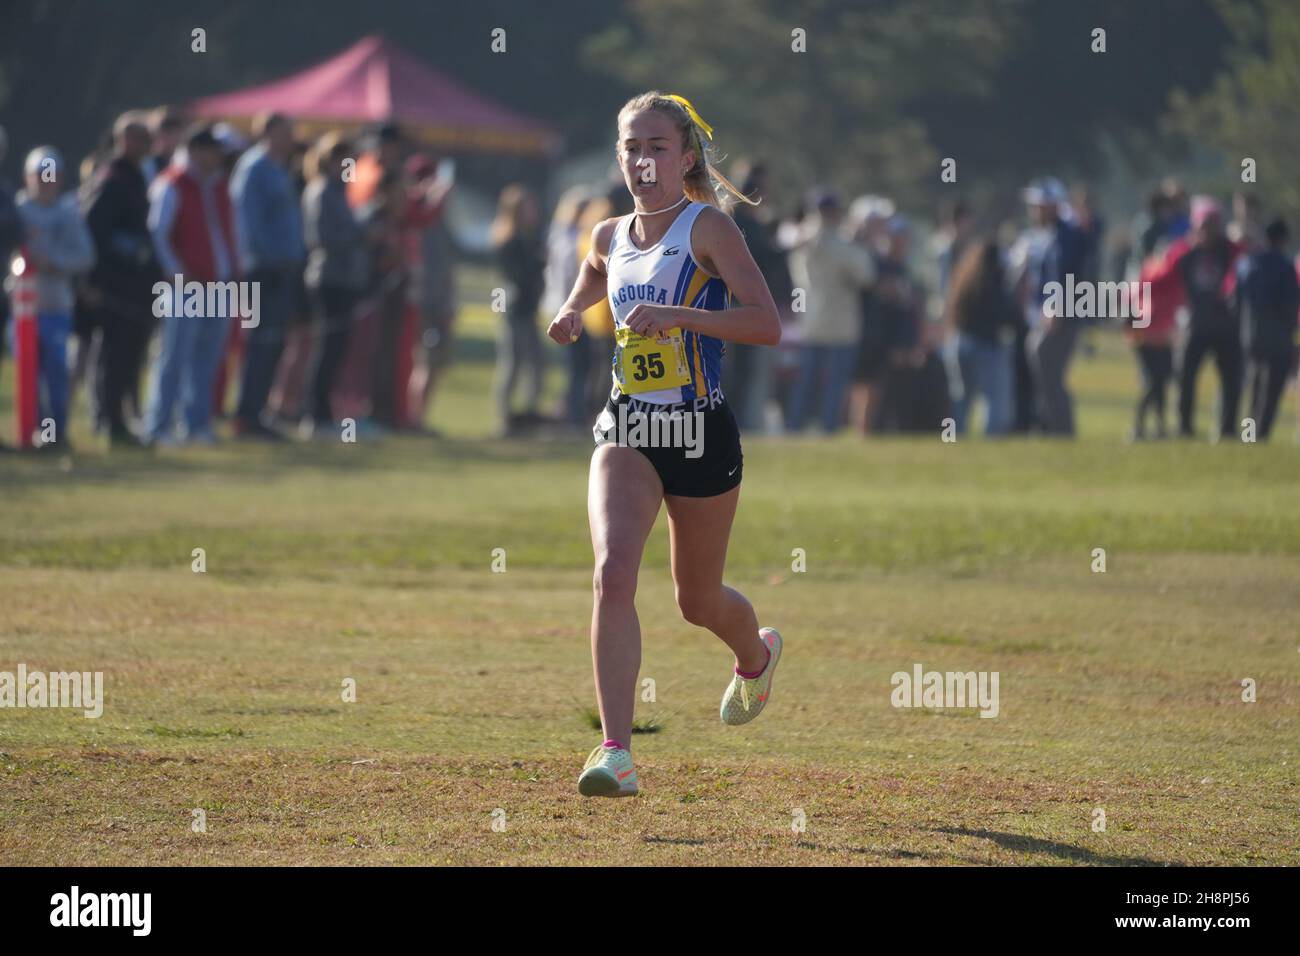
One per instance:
(1119, 690)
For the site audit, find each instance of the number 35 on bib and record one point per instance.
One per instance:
(644, 364)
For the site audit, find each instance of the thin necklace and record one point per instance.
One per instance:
(665, 209)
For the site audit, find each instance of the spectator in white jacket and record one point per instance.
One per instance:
(831, 273)
(59, 247)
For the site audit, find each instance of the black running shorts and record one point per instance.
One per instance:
(695, 450)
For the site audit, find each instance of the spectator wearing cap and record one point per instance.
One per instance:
(1268, 298)
(1200, 272)
(1051, 339)
(272, 253)
(831, 271)
(118, 293)
(11, 236)
(59, 247)
(193, 228)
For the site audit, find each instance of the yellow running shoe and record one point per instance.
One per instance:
(746, 697)
(608, 773)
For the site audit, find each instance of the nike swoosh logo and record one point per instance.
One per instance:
(625, 774)
(733, 471)
(671, 252)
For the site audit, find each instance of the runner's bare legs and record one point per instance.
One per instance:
(699, 529)
(623, 499)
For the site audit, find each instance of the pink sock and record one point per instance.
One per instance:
(613, 745)
(759, 672)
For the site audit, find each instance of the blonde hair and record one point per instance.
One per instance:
(702, 183)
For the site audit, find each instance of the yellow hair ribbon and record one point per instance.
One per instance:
(686, 104)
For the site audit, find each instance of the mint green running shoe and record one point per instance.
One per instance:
(746, 697)
(608, 772)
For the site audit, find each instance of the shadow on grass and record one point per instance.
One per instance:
(675, 841)
(1074, 854)
(640, 725)
(894, 853)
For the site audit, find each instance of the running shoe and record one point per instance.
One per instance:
(747, 696)
(608, 773)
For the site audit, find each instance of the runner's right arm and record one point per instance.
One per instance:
(587, 290)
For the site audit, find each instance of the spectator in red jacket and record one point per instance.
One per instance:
(1152, 337)
(193, 228)
(1199, 272)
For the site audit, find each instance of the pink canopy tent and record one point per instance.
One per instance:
(376, 80)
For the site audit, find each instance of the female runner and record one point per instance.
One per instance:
(680, 281)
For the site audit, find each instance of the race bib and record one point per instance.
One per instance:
(644, 364)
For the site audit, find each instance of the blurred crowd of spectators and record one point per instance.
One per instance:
(343, 243)
(879, 340)
(347, 246)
